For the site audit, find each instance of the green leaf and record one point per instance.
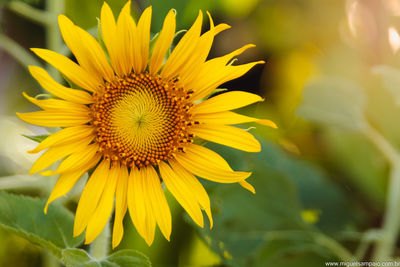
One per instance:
(74, 257)
(391, 80)
(24, 216)
(334, 102)
(126, 258)
(37, 138)
(122, 258)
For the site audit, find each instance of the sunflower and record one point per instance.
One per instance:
(134, 118)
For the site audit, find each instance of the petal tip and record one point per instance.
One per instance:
(115, 242)
(46, 207)
(268, 123)
(149, 241)
(61, 18)
(77, 231)
(105, 5)
(33, 69)
(173, 10)
(36, 50)
(48, 173)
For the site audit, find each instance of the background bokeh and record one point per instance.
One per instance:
(325, 179)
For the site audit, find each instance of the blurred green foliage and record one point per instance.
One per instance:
(263, 229)
(24, 216)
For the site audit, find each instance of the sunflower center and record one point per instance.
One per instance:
(142, 119)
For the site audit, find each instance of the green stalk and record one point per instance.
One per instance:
(53, 36)
(100, 246)
(36, 15)
(386, 244)
(49, 260)
(333, 246)
(319, 238)
(17, 51)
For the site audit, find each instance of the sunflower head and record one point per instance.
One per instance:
(132, 119)
(142, 119)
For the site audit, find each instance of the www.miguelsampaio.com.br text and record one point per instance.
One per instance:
(362, 263)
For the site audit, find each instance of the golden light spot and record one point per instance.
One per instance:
(310, 216)
(394, 39)
(142, 119)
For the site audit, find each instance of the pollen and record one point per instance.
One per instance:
(142, 119)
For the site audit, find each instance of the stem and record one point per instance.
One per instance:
(386, 244)
(49, 260)
(99, 247)
(383, 145)
(391, 221)
(36, 15)
(366, 240)
(53, 36)
(336, 248)
(17, 51)
(319, 238)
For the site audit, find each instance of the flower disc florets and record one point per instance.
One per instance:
(142, 119)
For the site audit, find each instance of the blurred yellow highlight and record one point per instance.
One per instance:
(310, 216)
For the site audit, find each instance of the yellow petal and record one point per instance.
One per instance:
(150, 225)
(104, 208)
(183, 51)
(120, 205)
(200, 161)
(90, 196)
(86, 49)
(126, 35)
(215, 72)
(51, 86)
(71, 70)
(88, 156)
(58, 105)
(191, 69)
(54, 154)
(163, 43)
(157, 201)
(196, 59)
(109, 33)
(136, 206)
(226, 101)
(64, 136)
(268, 123)
(224, 60)
(228, 117)
(247, 186)
(140, 210)
(196, 187)
(63, 185)
(55, 118)
(228, 136)
(182, 193)
(143, 41)
(219, 161)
